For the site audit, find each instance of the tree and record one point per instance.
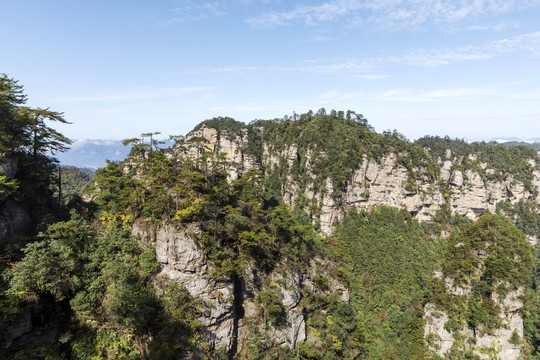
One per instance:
(42, 138)
(11, 125)
(25, 128)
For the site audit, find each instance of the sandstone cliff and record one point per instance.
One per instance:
(470, 190)
(375, 182)
(505, 342)
(230, 311)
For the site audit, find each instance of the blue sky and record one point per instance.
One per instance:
(464, 68)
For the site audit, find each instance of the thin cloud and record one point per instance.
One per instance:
(389, 13)
(314, 65)
(373, 76)
(135, 94)
(408, 95)
(434, 57)
(196, 11)
(496, 27)
(241, 108)
(336, 95)
(374, 68)
(346, 66)
(219, 70)
(320, 39)
(311, 15)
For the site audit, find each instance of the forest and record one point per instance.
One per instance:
(86, 272)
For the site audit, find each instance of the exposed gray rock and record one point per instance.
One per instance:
(182, 260)
(8, 167)
(440, 340)
(14, 220)
(231, 147)
(377, 183)
(437, 337)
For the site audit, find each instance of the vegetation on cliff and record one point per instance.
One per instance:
(103, 292)
(387, 260)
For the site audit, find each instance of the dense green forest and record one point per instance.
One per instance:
(77, 283)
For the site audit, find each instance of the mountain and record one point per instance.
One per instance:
(312, 238)
(86, 153)
(92, 153)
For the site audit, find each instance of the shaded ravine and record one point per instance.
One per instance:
(238, 312)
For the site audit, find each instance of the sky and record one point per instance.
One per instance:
(117, 69)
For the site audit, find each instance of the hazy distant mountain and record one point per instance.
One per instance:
(86, 153)
(532, 143)
(517, 140)
(93, 153)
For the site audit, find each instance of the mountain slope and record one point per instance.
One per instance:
(312, 238)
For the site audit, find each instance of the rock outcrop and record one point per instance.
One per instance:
(495, 344)
(14, 220)
(182, 260)
(232, 147)
(470, 191)
(374, 183)
(229, 306)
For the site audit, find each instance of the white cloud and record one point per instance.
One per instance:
(320, 39)
(373, 76)
(230, 69)
(313, 65)
(336, 95)
(408, 95)
(311, 15)
(390, 13)
(339, 67)
(433, 57)
(196, 11)
(240, 108)
(329, 95)
(134, 94)
(373, 68)
(79, 143)
(495, 27)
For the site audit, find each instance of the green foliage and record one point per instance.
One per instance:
(239, 229)
(531, 309)
(389, 259)
(102, 277)
(224, 126)
(507, 253)
(12, 127)
(104, 283)
(490, 255)
(535, 145)
(239, 223)
(116, 191)
(75, 182)
(336, 330)
(271, 307)
(44, 260)
(438, 146)
(23, 128)
(7, 187)
(503, 160)
(25, 141)
(525, 214)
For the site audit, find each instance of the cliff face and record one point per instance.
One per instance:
(375, 182)
(470, 191)
(13, 218)
(505, 342)
(230, 312)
